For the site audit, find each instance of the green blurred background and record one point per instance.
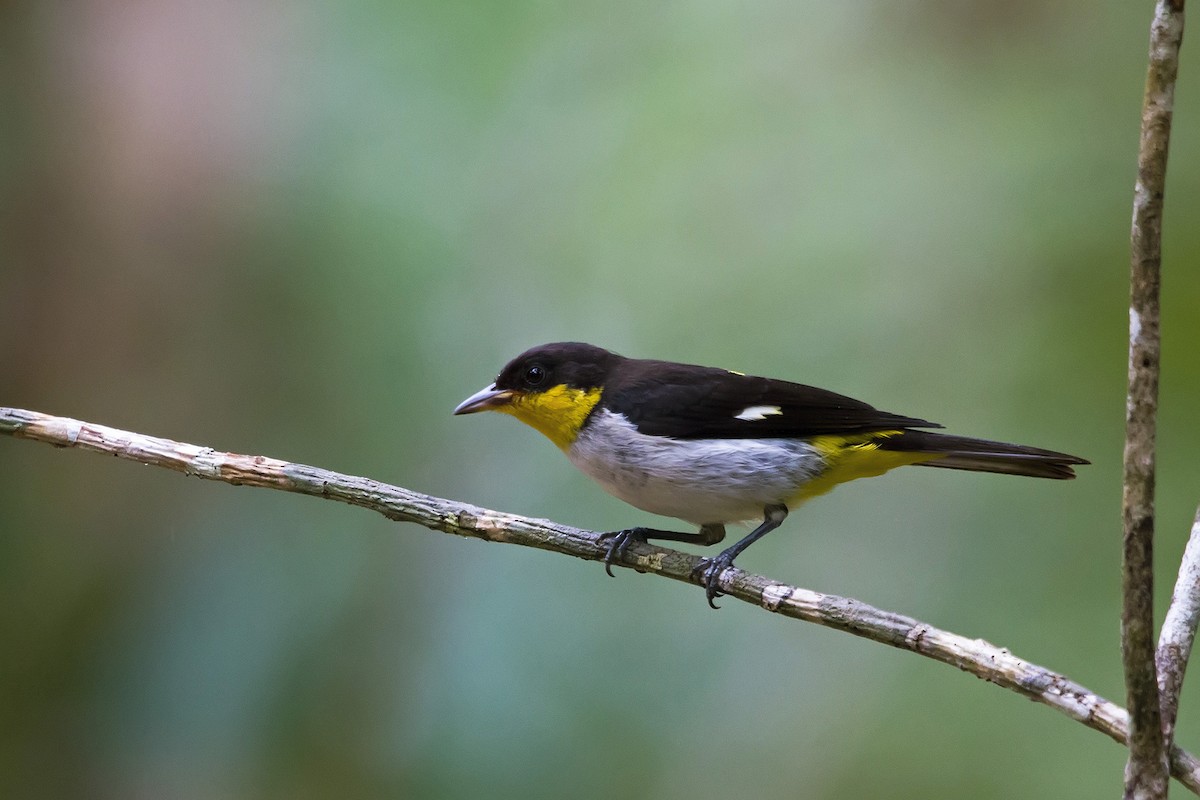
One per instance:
(308, 230)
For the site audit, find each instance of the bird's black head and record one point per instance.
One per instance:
(552, 388)
(572, 364)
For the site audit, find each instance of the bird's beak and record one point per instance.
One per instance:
(486, 398)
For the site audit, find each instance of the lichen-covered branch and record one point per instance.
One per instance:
(1146, 773)
(993, 664)
(1179, 631)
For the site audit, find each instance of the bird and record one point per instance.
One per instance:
(712, 447)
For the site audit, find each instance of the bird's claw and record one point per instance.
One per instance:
(618, 543)
(708, 573)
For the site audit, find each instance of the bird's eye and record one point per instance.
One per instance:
(535, 376)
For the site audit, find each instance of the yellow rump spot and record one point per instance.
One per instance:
(853, 457)
(558, 412)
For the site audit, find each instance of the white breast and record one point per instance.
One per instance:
(697, 480)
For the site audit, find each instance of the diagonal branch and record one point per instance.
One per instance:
(993, 664)
(1146, 772)
(1179, 631)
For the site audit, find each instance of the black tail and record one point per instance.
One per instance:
(981, 455)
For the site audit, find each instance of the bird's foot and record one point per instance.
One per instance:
(708, 573)
(618, 543)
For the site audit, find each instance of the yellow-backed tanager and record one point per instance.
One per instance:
(711, 446)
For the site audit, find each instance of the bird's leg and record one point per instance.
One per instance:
(709, 569)
(619, 541)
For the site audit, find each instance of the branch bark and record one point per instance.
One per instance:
(1178, 632)
(1146, 772)
(975, 656)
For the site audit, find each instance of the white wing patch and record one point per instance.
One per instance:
(758, 412)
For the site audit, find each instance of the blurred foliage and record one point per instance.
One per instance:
(308, 230)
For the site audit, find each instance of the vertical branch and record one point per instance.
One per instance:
(1178, 632)
(1146, 772)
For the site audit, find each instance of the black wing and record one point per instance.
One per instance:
(690, 402)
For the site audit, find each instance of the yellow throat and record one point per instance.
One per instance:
(558, 412)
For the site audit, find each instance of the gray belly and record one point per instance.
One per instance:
(697, 480)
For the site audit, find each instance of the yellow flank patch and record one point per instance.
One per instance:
(853, 457)
(558, 412)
